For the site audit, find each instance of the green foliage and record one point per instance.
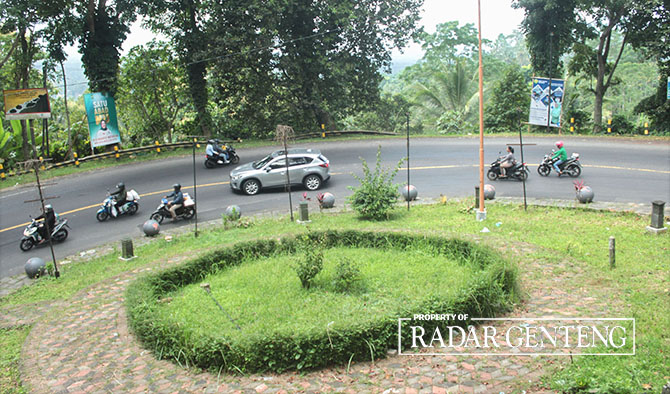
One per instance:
(377, 194)
(347, 274)
(306, 335)
(510, 101)
(388, 114)
(657, 107)
(11, 341)
(310, 264)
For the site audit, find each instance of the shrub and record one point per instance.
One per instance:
(311, 264)
(347, 274)
(377, 194)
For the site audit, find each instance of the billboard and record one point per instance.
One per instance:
(27, 104)
(546, 110)
(102, 124)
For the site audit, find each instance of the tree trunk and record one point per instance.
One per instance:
(67, 114)
(197, 69)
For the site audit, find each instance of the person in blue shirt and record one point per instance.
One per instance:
(214, 150)
(177, 201)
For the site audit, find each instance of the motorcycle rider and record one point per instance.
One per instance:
(507, 161)
(177, 201)
(214, 150)
(562, 156)
(49, 222)
(119, 196)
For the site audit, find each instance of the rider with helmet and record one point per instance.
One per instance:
(562, 156)
(214, 150)
(177, 201)
(119, 196)
(49, 222)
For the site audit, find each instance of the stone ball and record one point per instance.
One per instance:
(585, 194)
(409, 193)
(233, 212)
(489, 192)
(328, 200)
(35, 267)
(151, 227)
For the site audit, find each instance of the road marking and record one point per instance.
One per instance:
(340, 173)
(97, 205)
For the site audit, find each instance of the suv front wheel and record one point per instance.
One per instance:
(251, 187)
(312, 182)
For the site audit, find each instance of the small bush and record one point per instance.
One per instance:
(311, 264)
(347, 274)
(377, 194)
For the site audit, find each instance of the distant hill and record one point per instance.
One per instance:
(77, 83)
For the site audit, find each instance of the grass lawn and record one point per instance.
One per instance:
(638, 287)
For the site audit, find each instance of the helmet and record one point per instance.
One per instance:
(48, 208)
(120, 185)
(218, 141)
(211, 142)
(559, 144)
(176, 186)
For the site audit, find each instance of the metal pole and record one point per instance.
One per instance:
(408, 199)
(551, 39)
(288, 178)
(482, 210)
(195, 190)
(45, 123)
(525, 204)
(46, 222)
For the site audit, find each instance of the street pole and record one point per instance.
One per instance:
(408, 199)
(481, 214)
(551, 48)
(46, 222)
(525, 204)
(195, 191)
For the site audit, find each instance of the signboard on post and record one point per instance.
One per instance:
(102, 124)
(27, 104)
(545, 109)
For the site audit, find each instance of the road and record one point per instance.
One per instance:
(617, 170)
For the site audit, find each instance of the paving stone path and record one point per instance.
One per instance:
(82, 345)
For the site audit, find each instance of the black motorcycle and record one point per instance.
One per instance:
(31, 236)
(518, 171)
(186, 211)
(215, 161)
(571, 167)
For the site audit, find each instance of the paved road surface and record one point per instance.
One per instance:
(619, 171)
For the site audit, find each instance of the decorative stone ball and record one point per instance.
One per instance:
(489, 192)
(35, 267)
(585, 194)
(233, 212)
(151, 227)
(409, 193)
(328, 200)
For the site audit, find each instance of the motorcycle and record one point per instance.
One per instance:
(31, 236)
(571, 167)
(518, 171)
(109, 209)
(214, 161)
(186, 211)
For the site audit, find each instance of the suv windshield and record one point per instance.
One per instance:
(262, 162)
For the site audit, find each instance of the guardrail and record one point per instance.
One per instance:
(116, 153)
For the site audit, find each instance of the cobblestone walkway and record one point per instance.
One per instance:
(83, 346)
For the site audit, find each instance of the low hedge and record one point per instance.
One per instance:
(490, 291)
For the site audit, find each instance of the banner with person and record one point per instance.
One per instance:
(102, 124)
(27, 104)
(545, 109)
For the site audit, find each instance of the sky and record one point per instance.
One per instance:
(498, 17)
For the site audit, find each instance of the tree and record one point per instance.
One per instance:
(152, 91)
(510, 101)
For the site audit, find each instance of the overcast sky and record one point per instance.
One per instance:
(498, 17)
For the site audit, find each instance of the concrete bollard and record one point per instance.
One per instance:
(612, 253)
(657, 217)
(127, 249)
(304, 212)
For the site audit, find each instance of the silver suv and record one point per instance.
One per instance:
(305, 166)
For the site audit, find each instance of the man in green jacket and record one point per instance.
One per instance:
(562, 156)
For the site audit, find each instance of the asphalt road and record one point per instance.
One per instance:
(620, 171)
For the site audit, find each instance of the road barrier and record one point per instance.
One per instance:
(116, 153)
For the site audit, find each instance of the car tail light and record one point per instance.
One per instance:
(324, 165)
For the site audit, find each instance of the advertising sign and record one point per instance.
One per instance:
(27, 104)
(545, 110)
(102, 125)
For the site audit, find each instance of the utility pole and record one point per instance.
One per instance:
(481, 213)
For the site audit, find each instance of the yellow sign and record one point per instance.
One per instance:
(27, 104)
